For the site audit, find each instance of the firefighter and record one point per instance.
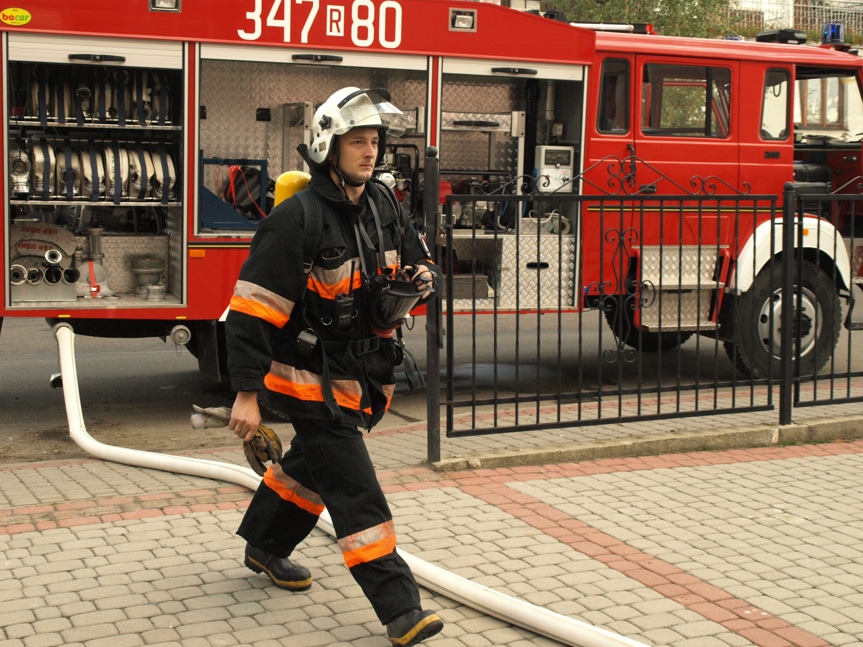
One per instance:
(321, 349)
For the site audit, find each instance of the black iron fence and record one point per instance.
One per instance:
(563, 310)
(841, 367)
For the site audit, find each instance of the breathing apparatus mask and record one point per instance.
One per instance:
(390, 301)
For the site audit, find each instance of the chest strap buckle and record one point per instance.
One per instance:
(366, 346)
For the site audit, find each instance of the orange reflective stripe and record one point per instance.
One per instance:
(290, 374)
(348, 393)
(368, 545)
(391, 258)
(257, 301)
(292, 491)
(330, 283)
(239, 304)
(305, 385)
(329, 290)
(310, 392)
(389, 390)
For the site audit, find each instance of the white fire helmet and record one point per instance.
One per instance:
(350, 108)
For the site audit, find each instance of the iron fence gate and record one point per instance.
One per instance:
(563, 310)
(841, 378)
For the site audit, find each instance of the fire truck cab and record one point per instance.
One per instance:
(693, 117)
(142, 139)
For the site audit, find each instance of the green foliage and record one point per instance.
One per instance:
(700, 18)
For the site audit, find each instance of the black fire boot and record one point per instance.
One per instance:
(282, 571)
(413, 627)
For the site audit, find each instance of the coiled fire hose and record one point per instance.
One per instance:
(567, 631)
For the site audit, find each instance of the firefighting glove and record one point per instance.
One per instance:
(421, 277)
(265, 445)
(206, 417)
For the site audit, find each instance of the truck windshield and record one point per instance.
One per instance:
(827, 104)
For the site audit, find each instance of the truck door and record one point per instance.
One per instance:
(766, 143)
(678, 138)
(687, 135)
(609, 131)
(608, 170)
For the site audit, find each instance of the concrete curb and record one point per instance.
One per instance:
(828, 430)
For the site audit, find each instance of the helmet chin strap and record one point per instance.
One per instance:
(343, 179)
(335, 166)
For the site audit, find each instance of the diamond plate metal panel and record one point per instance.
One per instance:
(668, 265)
(119, 250)
(476, 152)
(668, 310)
(664, 270)
(479, 94)
(537, 272)
(43, 292)
(176, 254)
(232, 91)
(483, 99)
(524, 272)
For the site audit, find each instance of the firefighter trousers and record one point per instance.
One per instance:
(328, 465)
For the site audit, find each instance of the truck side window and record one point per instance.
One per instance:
(613, 113)
(686, 101)
(775, 107)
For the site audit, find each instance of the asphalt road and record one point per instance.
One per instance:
(131, 390)
(139, 392)
(134, 392)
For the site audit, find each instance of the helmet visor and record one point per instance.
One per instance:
(369, 109)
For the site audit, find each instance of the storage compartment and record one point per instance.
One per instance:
(524, 272)
(96, 156)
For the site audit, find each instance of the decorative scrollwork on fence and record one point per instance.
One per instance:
(711, 185)
(620, 180)
(617, 297)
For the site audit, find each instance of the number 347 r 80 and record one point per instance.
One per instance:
(365, 22)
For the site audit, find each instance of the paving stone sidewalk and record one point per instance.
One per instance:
(752, 546)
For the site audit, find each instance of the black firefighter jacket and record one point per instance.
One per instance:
(341, 379)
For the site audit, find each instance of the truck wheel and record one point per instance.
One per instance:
(757, 336)
(620, 315)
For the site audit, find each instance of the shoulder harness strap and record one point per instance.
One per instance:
(312, 230)
(393, 201)
(312, 234)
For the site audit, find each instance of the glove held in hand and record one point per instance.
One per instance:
(264, 446)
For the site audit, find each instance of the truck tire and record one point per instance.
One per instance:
(620, 314)
(756, 346)
(209, 346)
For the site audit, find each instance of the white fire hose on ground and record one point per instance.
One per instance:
(568, 631)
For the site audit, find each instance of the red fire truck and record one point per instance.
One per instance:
(142, 138)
